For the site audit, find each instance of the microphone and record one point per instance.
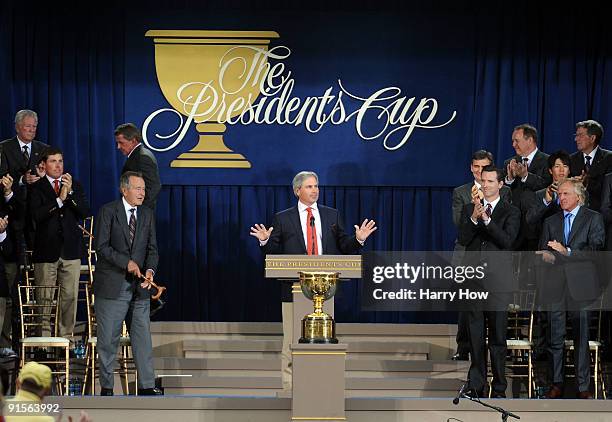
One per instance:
(460, 393)
(312, 224)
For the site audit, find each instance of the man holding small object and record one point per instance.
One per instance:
(126, 247)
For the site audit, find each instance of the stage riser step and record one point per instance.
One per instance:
(219, 372)
(273, 393)
(399, 393)
(196, 348)
(202, 354)
(256, 392)
(352, 365)
(260, 373)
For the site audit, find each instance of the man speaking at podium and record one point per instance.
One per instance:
(310, 229)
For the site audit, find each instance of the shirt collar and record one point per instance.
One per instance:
(51, 179)
(493, 203)
(134, 149)
(127, 206)
(530, 156)
(574, 212)
(22, 144)
(302, 207)
(591, 154)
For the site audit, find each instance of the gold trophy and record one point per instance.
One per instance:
(189, 65)
(318, 327)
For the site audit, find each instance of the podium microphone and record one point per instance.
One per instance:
(460, 393)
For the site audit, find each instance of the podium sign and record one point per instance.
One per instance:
(288, 266)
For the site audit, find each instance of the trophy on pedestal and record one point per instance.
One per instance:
(318, 327)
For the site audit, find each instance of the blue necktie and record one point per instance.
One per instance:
(567, 227)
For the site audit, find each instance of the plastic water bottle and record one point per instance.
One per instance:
(79, 350)
(73, 387)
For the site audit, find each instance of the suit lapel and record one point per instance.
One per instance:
(498, 211)
(139, 220)
(324, 233)
(579, 221)
(122, 219)
(297, 226)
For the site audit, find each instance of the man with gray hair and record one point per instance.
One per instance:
(126, 248)
(570, 282)
(310, 229)
(19, 157)
(591, 162)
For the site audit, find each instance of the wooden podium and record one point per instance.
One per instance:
(318, 369)
(286, 268)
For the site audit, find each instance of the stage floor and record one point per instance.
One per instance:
(265, 409)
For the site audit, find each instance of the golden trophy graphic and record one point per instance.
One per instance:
(318, 327)
(189, 65)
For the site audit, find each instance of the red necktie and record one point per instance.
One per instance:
(56, 187)
(489, 210)
(311, 234)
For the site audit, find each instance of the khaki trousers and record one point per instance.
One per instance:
(286, 369)
(65, 274)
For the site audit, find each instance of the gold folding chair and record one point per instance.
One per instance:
(39, 306)
(520, 338)
(595, 345)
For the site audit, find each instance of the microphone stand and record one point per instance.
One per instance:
(504, 413)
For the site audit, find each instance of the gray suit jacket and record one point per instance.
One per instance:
(111, 242)
(579, 269)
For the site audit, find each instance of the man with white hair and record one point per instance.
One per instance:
(310, 229)
(568, 242)
(19, 157)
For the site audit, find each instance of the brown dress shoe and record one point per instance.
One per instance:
(584, 395)
(555, 392)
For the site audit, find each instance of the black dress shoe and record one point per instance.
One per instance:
(555, 392)
(498, 395)
(106, 392)
(461, 356)
(150, 392)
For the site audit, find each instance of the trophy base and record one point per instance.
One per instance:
(318, 340)
(318, 329)
(211, 160)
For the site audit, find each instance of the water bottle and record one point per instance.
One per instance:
(79, 350)
(73, 389)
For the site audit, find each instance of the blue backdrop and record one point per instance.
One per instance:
(87, 68)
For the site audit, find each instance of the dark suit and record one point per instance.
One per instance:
(600, 166)
(538, 177)
(571, 283)
(58, 245)
(119, 296)
(288, 238)
(143, 161)
(12, 162)
(606, 208)
(462, 195)
(483, 243)
(58, 234)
